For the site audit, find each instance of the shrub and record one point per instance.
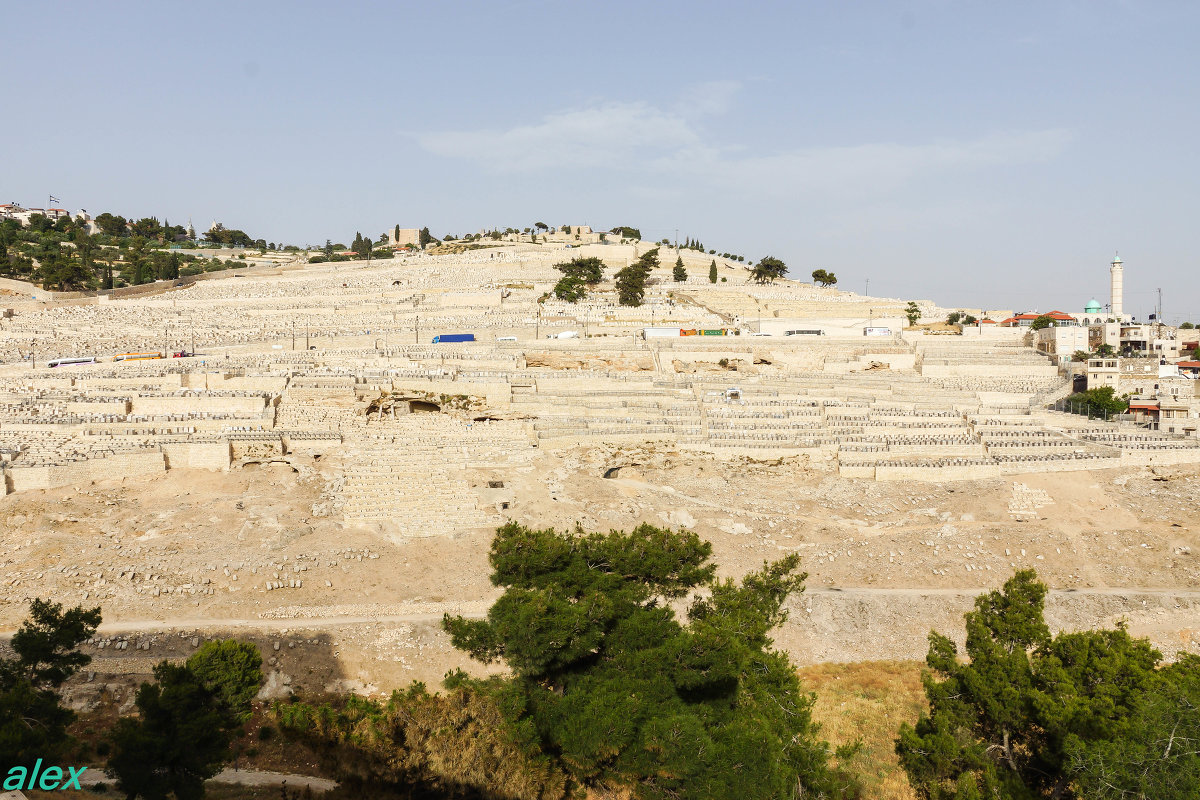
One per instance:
(232, 671)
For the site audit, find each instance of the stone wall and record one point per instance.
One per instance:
(989, 370)
(964, 472)
(261, 446)
(99, 406)
(121, 465)
(198, 455)
(205, 404)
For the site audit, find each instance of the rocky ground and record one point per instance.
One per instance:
(192, 555)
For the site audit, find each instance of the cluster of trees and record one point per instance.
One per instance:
(186, 719)
(693, 244)
(960, 318)
(1092, 714)
(626, 232)
(494, 235)
(1099, 403)
(365, 248)
(60, 255)
(767, 270)
(147, 228)
(579, 276)
(631, 281)
(64, 255)
(823, 277)
(219, 234)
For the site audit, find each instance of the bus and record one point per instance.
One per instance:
(137, 356)
(66, 362)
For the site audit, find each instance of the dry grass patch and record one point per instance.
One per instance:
(868, 701)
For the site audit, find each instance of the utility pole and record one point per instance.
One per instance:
(867, 291)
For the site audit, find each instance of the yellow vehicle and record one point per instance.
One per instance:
(137, 356)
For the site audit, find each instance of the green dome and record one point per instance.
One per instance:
(1093, 307)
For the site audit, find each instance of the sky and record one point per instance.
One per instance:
(978, 154)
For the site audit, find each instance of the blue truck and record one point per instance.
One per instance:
(454, 337)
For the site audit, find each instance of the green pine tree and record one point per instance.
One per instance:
(624, 693)
(33, 721)
(1006, 722)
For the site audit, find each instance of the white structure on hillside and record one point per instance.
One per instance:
(1117, 270)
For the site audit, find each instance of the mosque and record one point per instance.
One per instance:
(1093, 313)
(1096, 314)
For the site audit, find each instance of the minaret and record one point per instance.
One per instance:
(1117, 270)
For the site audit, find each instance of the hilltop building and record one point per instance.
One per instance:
(398, 237)
(23, 215)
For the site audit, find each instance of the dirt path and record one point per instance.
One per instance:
(179, 623)
(242, 777)
(333, 621)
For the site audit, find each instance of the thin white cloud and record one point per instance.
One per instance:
(871, 168)
(646, 140)
(713, 97)
(590, 137)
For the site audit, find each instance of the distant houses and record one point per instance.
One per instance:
(23, 215)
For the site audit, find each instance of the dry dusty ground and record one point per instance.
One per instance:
(886, 562)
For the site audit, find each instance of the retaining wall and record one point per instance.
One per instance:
(198, 404)
(122, 465)
(198, 455)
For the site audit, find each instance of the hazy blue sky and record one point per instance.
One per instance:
(976, 153)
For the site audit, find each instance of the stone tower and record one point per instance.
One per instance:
(1117, 270)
